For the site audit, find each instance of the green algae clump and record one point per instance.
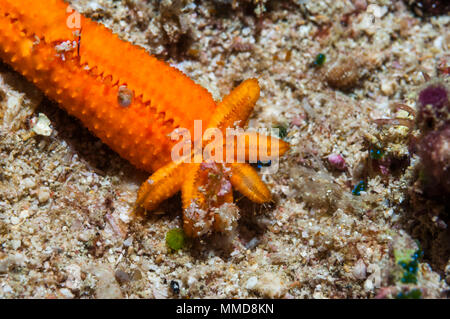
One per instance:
(175, 239)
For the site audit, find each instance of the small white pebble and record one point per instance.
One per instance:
(191, 280)
(388, 87)
(28, 183)
(66, 293)
(368, 285)
(359, 270)
(15, 220)
(125, 217)
(191, 6)
(251, 282)
(84, 236)
(43, 195)
(42, 126)
(377, 11)
(246, 31)
(127, 242)
(12, 103)
(7, 289)
(15, 244)
(437, 43)
(94, 6)
(24, 214)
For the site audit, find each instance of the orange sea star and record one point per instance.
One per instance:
(132, 102)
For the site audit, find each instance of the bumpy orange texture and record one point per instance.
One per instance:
(132, 102)
(82, 67)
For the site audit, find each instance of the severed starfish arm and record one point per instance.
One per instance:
(207, 187)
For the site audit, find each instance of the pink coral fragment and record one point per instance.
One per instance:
(337, 161)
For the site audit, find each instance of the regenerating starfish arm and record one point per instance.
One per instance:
(132, 102)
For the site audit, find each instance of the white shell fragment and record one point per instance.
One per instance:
(42, 125)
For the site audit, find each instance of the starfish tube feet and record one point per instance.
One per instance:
(247, 181)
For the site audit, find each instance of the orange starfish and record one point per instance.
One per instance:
(132, 102)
